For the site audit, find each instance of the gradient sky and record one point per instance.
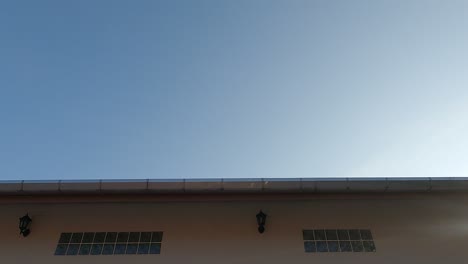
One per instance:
(244, 88)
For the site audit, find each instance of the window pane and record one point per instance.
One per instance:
(308, 234)
(357, 246)
(309, 246)
(343, 234)
(156, 237)
(61, 249)
(73, 249)
(88, 238)
(132, 248)
(366, 234)
(85, 249)
(76, 238)
(99, 237)
(322, 246)
(143, 248)
(96, 249)
(331, 234)
(108, 249)
(354, 234)
(65, 238)
(345, 246)
(320, 235)
(111, 237)
(134, 237)
(155, 248)
(122, 237)
(369, 246)
(333, 246)
(145, 237)
(120, 249)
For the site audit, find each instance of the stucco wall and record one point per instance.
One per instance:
(408, 229)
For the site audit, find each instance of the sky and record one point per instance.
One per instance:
(219, 89)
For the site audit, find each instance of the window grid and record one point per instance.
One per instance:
(109, 243)
(338, 240)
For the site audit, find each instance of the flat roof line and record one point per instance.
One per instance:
(238, 185)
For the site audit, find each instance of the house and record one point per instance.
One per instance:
(307, 220)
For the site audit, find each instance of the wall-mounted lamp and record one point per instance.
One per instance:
(24, 223)
(261, 219)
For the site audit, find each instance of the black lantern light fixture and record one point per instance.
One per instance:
(24, 223)
(261, 219)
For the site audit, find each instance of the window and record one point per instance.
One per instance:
(109, 243)
(338, 240)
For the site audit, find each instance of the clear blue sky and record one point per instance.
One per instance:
(262, 88)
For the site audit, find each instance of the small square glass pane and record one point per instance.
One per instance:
(120, 249)
(357, 246)
(132, 248)
(354, 234)
(369, 246)
(65, 238)
(309, 246)
(122, 237)
(99, 237)
(156, 237)
(366, 234)
(96, 249)
(345, 246)
(73, 249)
(88, 238)
(143, 248)
(322, 246)
(111, 237)
(308, 234)
(134, 237)
(108, 249)
(331, 234)
(61, 249)
(85, 249)
(145, 237)
(333, 246)
(343, 234)
(155, 248)
(76, 238)
(320, 235)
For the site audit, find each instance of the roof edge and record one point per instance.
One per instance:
(238, 185)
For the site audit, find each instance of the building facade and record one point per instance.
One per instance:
(214, 221)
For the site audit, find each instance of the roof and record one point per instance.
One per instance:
(237, 185)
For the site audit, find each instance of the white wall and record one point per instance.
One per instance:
(406, 229)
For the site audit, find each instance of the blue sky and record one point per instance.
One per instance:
(182, 89)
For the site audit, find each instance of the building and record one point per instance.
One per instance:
(331, 220)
